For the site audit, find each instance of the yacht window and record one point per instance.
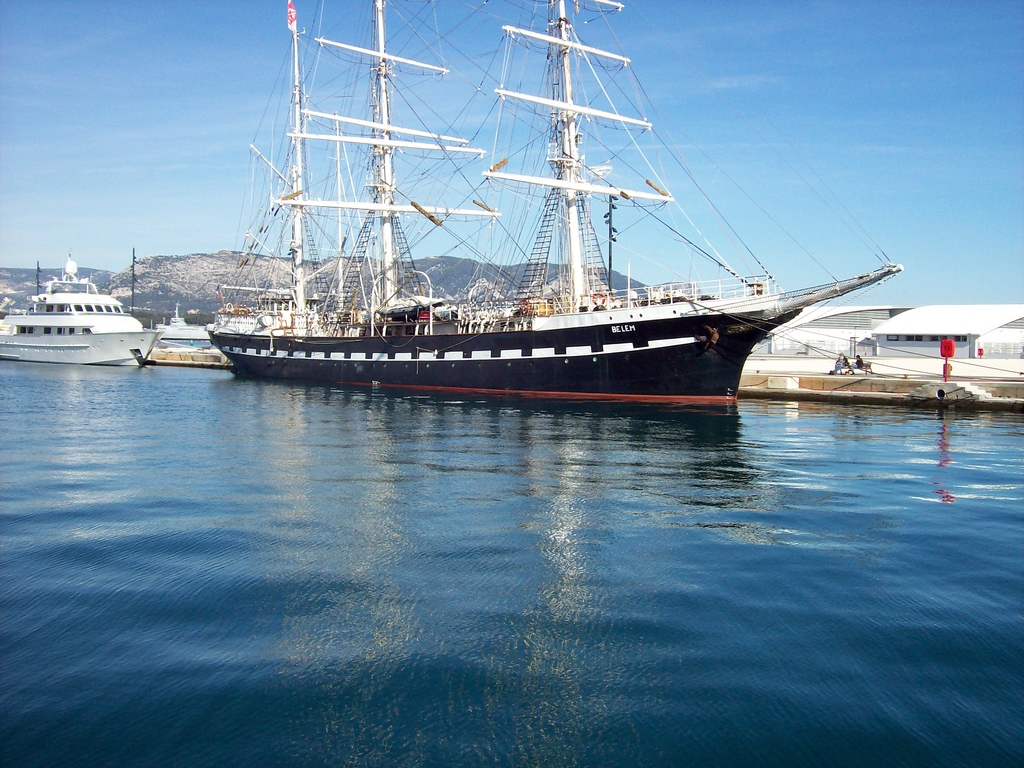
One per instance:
(87, 330)
(21, 329)
(106, 308)
(60, 331)
(71, 331)
(49, 307)
(30, 330)
(117, 310)
(65, 308)
(88, 307)
(78, 308)
(47, 330)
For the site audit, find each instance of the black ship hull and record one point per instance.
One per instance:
(679, 359)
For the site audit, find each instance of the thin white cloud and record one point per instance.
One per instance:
(747, 82)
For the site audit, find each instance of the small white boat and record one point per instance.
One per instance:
(177, 331)
(72, 322)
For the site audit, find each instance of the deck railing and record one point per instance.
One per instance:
(705, 290)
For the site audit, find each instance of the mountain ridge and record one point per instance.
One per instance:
(195, 281)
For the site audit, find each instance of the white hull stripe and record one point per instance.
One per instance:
(97, 349)
(478, 355)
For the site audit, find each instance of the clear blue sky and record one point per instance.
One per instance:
(127, 125)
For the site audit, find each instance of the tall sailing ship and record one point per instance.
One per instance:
(540, 315)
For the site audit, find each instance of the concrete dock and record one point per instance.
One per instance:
(188, 357)
(983, 385)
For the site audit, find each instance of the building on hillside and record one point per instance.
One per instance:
(979, 330)
(827, 331)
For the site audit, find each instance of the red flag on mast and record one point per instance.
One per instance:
(292, 16)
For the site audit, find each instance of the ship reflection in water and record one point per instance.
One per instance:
(253, 572)
(462, 546)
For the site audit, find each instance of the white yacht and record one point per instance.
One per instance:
(178, 332)
(72, 322)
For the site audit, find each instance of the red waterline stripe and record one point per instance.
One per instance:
(618, 398)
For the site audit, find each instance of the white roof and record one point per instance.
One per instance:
(952, 319)
(820, 312)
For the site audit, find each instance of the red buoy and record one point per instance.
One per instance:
(947, 348)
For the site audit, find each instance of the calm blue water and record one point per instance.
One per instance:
(198, 570)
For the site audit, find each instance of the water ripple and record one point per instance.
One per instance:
(203, 570)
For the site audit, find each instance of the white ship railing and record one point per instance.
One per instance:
(706, 290)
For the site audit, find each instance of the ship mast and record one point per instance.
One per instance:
(564, 149)
(567, 163)
(385, 182)
(386, 137)
(295, 172)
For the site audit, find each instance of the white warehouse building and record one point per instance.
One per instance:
(979, 330)
(830, 330)
(995, 331)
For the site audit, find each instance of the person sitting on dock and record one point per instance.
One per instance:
(860, 365)
(842, 365)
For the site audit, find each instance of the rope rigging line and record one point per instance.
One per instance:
(788, 164)
(693, 245)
